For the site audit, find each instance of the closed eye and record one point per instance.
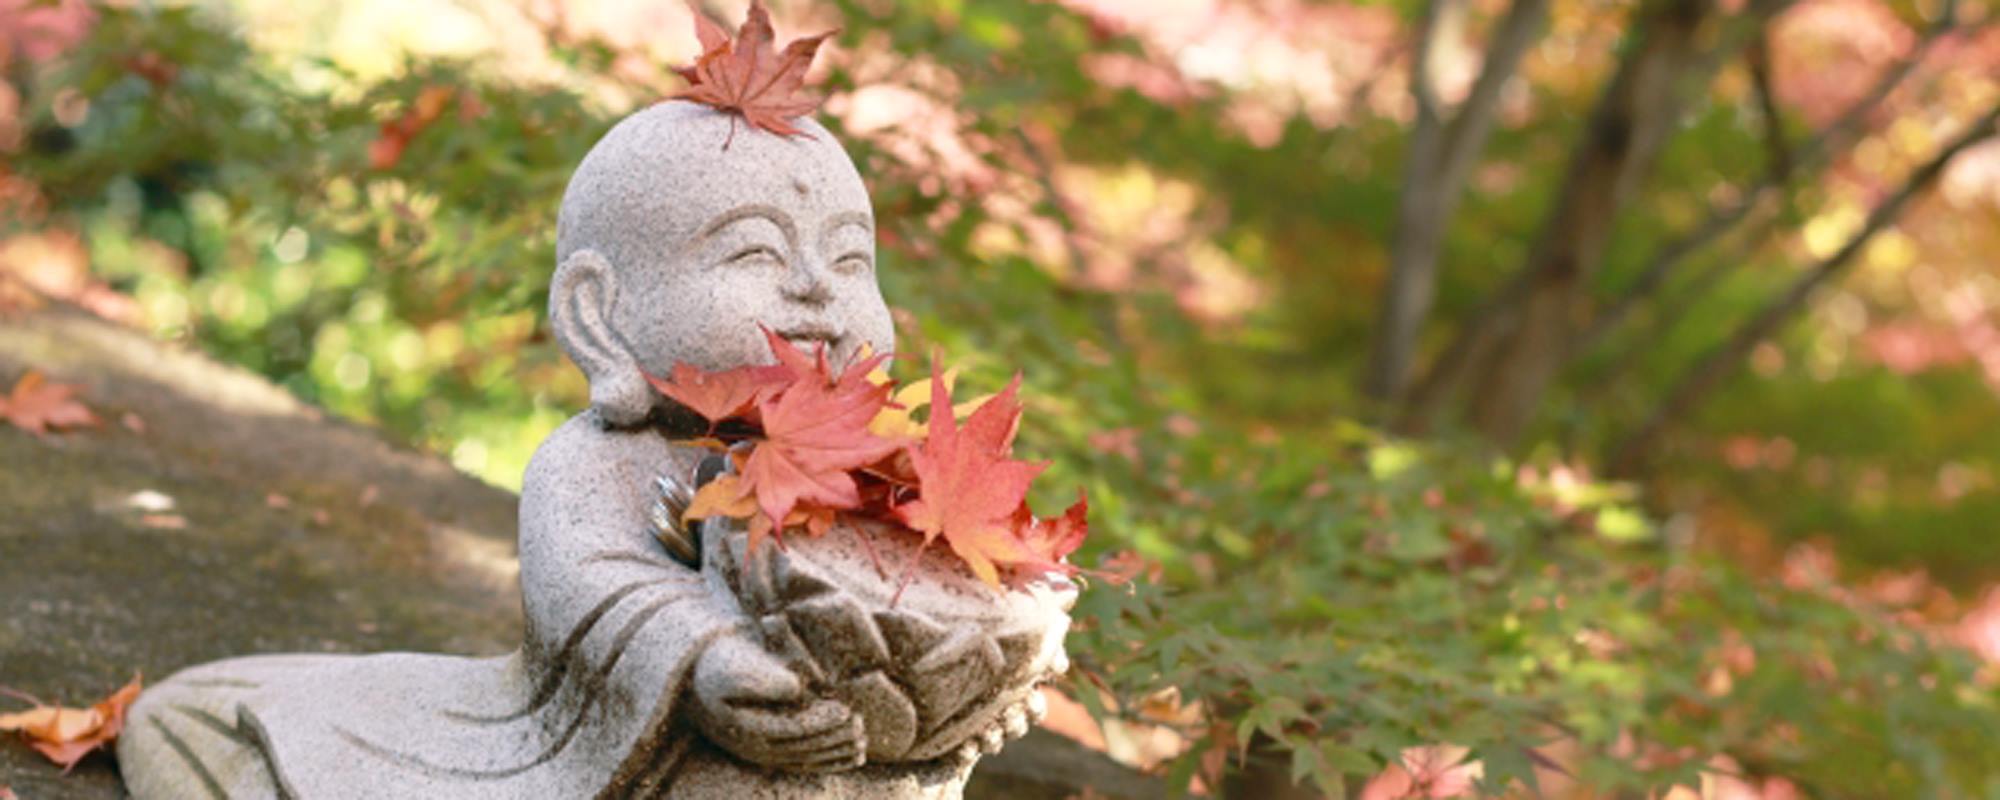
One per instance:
(853, 263)
(755, 253)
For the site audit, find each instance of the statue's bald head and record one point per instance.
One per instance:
(672, 248)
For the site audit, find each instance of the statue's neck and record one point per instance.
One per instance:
(669, 420)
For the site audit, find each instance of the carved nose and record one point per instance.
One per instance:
(806, 283)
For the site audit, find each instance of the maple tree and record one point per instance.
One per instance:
(66, 735)
(812, 444)
(37, 405)
(748, 77)
(395, 135)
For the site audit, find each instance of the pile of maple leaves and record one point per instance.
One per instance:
(809, 445)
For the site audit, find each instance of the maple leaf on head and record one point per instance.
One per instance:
(38, 406)
(968, 487)
(747, 76)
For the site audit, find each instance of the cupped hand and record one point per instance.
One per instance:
(748, 703)
(1013, 723)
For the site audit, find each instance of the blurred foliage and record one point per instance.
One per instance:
(1325, 596)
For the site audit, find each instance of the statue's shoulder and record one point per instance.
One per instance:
(586, 455)
(584, 448)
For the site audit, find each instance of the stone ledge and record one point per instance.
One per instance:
(94, 586)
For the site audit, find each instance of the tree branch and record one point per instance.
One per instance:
(1811, 154)
(1627, 457)
(1473, 121)
(1513, 346)
(1778, 151)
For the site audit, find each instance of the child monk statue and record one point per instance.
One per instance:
(684, 234)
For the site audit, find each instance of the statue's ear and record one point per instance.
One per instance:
(581, 299)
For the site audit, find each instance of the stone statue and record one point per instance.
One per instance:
(649, 670)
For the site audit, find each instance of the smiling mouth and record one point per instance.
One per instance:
(809, 338)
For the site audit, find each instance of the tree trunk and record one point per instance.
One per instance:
(1626, 130)
(1439, 161)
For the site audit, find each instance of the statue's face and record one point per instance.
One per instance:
(709, 244)
(771, 233)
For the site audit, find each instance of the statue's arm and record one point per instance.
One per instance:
(599, 590)
(611, 619)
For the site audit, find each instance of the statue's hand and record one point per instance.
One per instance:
(747, 702)
(1013, 723)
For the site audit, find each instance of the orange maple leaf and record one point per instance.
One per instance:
(815, 432)
(968, 487)
(718, 396)
(38, 406)
(733, 393)
(726, 496)
(66, 735)
(748, 77)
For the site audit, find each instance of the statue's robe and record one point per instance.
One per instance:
(587, 708)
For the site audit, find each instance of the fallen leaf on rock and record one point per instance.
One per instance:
(39, 406)
(17, 296)
(748, 76)
(165, 521)
(66, 735)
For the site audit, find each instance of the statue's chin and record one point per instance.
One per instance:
(927, 671)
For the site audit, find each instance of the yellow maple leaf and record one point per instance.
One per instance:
(722, 497)
(894, 422)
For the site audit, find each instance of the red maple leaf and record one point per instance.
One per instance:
(968, 487)
(1048, 541)
(748, 76)
(733, 393)
(38, 406)
(815, 433)
(717, 396)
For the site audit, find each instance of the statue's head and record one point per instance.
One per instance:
(672, 248)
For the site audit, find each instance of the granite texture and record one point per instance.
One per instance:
(775, 674)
